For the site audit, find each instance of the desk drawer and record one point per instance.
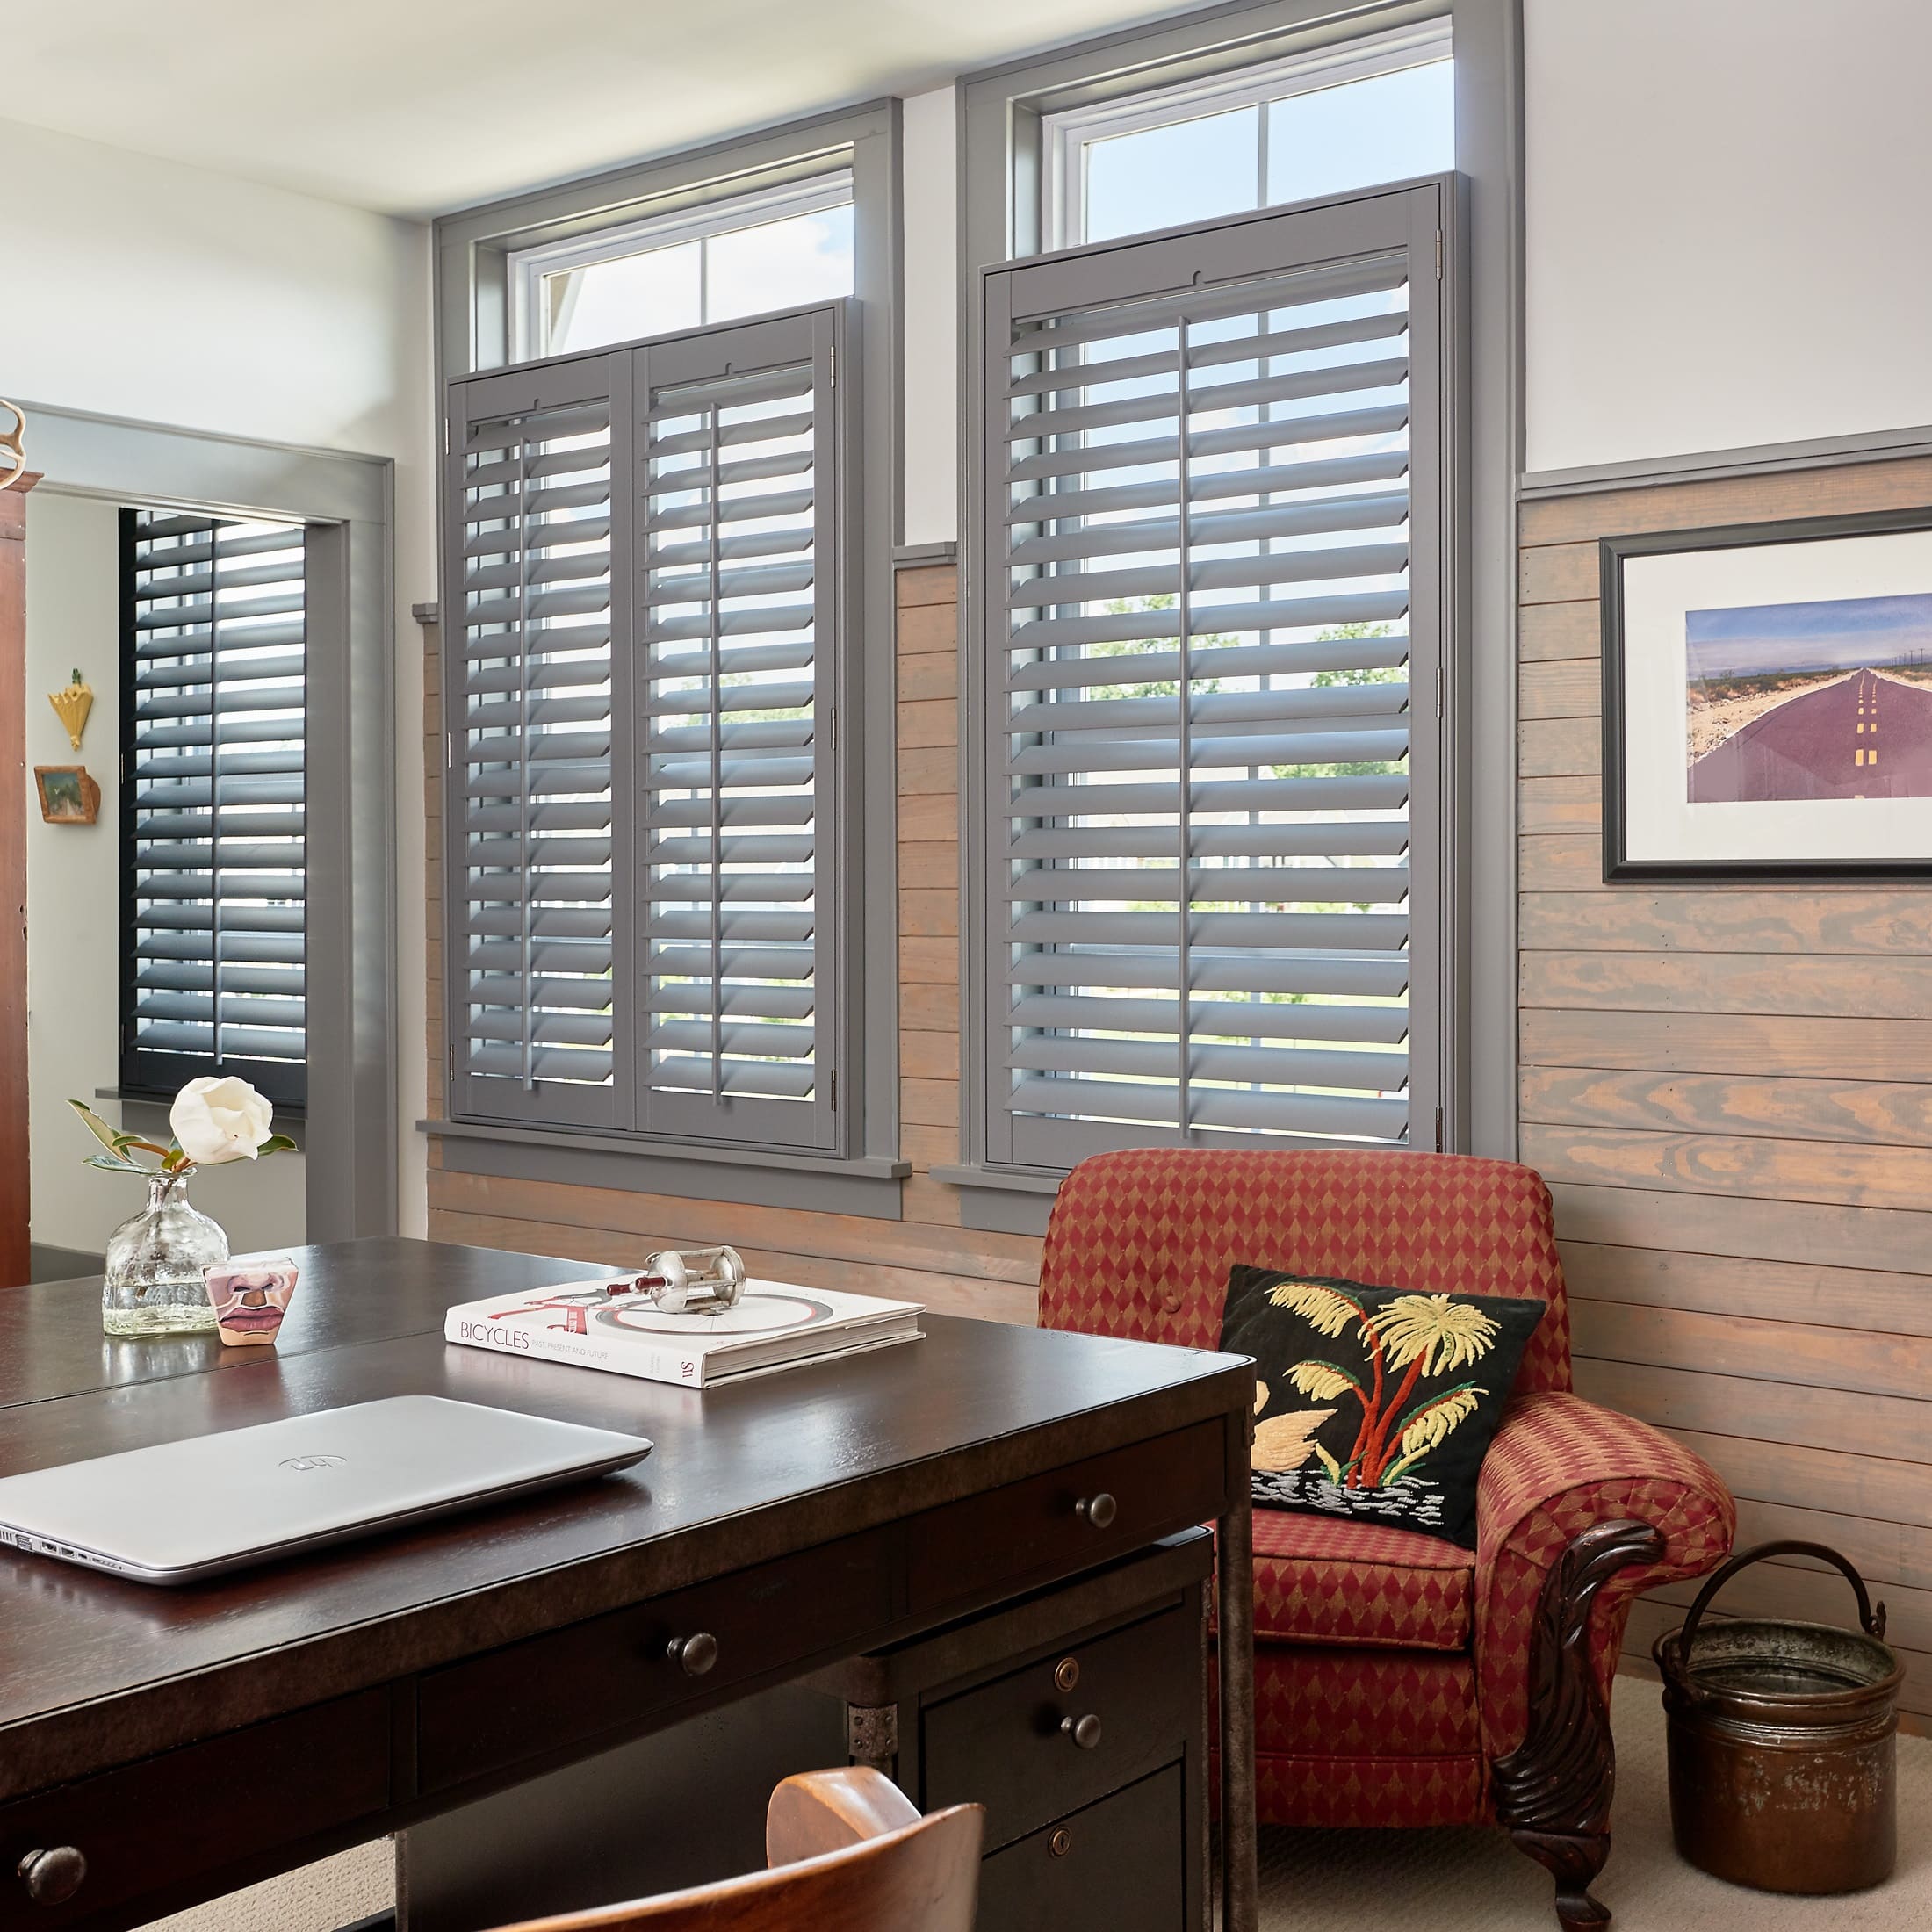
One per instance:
(1114, 1867)
(190, 1814)
(1011, 1745)
(613, 1674)
(1038, 1526)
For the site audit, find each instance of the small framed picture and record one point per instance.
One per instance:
(68, 796)
(1768, 701)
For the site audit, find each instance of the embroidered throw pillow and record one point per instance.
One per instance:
(1374, 1403)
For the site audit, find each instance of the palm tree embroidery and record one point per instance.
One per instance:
(1411, 1335)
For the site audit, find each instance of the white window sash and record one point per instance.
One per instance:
(529, 267)
(1068, 134)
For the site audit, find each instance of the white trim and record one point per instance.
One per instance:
(1067, 135)
(529, 267)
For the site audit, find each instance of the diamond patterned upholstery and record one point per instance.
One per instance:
(1391, 1669)
(1320, 1580)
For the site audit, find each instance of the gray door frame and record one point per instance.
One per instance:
(346, 502)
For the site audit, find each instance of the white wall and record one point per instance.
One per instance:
(144, 289)
(1727, 235)
(930, 307)
(74, 911)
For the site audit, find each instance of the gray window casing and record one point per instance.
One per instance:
(1001, 119)
(472, 299)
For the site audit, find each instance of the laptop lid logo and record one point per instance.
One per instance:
(313, 1462)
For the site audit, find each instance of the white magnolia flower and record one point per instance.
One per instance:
(218, 1120)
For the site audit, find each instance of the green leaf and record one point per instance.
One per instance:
(110, 1138)
(115, 1166)
(277, 1144)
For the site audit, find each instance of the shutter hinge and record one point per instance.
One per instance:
(448, 741)
(1438, 254)
(450, 1060)
(832, 365)
(832, 1088)
(831, 719)
(1438, 1130)
(1438, 690)
(446, 420)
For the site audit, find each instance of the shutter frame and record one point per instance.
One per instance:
(559, 397)
(1221, 266)
(213, 890)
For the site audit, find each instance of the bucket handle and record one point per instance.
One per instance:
(1872, 1622)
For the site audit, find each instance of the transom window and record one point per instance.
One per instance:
(1319, 125)
(753, 255)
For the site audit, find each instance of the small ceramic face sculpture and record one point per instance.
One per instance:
(251, 1298)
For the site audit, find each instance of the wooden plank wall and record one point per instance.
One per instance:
(927, 1253)
(1728, 1091)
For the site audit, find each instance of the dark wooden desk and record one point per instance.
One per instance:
(190, 1741)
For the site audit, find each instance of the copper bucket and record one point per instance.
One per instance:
(1782, 1743)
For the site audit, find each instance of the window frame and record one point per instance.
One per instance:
(529, 267)
(475, 292)
(146, 1072)
(1067, 130)
(1379, 221)
(1004, 161)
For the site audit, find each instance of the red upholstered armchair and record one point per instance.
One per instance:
(1398, 1679)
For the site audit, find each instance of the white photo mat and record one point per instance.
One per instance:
(1660, 824)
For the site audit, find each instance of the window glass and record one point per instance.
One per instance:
(779, 264)
(1158, 177)
(745, 269)
(1260, 140)
(632, 295)
(1388, 127)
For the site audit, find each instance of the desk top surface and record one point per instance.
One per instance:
(741, 1473)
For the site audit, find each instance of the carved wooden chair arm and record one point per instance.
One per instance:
(1560, 1466)
(826, 1811)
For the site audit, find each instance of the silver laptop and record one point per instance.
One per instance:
(177, 1511)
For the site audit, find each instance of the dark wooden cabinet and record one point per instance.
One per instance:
(1075, 1716)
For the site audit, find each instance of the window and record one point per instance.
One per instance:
(785, 247)
(1211, 592)
(1300, 129)
(213, 736)
(648, 588)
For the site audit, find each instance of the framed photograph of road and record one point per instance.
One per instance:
(1768, 700)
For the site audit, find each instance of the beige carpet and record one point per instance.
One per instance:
(1471, 1881)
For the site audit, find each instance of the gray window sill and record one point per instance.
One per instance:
(866, 1184)
(1002, 1201)
(147, 1114)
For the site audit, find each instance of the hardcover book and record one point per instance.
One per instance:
(598, 1324)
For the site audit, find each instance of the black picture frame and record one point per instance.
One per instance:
(1619, 867)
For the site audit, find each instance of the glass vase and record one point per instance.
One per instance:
(153, 1282)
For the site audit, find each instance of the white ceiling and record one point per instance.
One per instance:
(416, 106)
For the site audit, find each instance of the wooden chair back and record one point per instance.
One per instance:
(848, 1852)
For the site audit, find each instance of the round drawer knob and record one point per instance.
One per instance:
(53, 1878)
(1061, 1843)
(695, 1654)
(1084, 1731)
(1099, 1511)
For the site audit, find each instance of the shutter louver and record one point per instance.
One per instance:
(539, 637)
(1200, 606)
(213, 730)
(737, 495)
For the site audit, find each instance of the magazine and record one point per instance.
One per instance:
(774, 1326)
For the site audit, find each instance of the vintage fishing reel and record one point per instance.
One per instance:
(694, 1280)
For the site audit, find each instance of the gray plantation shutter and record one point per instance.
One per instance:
(738, 491)
(1211, 595)
(645, 599)
(537, 798)
(213, 726)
